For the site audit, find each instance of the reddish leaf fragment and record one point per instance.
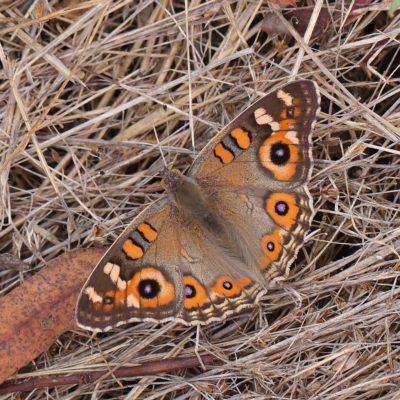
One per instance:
(378, 53)
(300, 19)
(283, 3)
(273, 25)
(356, 6)
(35, 313)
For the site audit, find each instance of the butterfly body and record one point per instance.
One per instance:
(222, 234)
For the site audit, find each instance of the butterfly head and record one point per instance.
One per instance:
(171, 180)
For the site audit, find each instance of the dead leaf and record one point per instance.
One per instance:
(39, 310)
(283, 3)
(358, 4)
(273, 25)
(300, 19)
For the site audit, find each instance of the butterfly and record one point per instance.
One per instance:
(222, 234)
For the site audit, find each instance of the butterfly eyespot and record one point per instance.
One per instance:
(290, 111)
(280, 153)
(149, 288)
(227, 285)
(271, 246)
(195, 294)
(281, 208)
(108, 300)
(190, 291)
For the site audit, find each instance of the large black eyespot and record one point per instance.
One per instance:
(281, 208)
(190, 291)
(108, 300)
(280, 153)
(149, 288)
(290, 111)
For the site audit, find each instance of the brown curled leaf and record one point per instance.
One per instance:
(300, 19)
(36, 312)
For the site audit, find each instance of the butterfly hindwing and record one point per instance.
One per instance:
(215, 280)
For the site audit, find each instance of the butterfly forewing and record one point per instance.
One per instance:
(268, 145)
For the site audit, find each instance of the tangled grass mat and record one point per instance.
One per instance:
(94, 93)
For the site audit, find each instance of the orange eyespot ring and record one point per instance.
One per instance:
(195, 294)
(283, 209)
(149, 288)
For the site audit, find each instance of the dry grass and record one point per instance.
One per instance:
(83, 97)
